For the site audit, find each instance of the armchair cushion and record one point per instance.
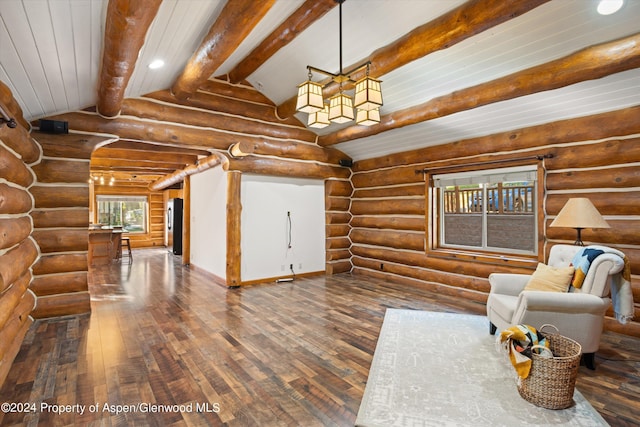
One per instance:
(553, 279)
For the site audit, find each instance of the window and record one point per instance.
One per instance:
(491, 210)
(128, 212)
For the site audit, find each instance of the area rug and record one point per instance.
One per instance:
(443, 369)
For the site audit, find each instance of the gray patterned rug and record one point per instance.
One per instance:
(442, 369)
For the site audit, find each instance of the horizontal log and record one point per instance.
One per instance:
(336, 255)
(337, 217)
(622, 232)
(67, 218)
(12, 296)
(289, 150)
(60, 283)
(11, 329)
(337, 203)
(179, 175)
(62, 240)
(337, 243)
(224, 104)
(418, 189)
(12, 349)
(67, 171)
(15, 262)
(14, 231)
(12, 107)
(607, 203)
(161, 111)
(589, 63)
(387, 238)
(400, 175)
(631, 328)
(18, 140)
(388, 206)
(14, 169)
(586, 128)
(70, 145)
(239, 92)
(595, 178)
(337, 267)
(592, 155)
(337, 230)
(340, 188)
(60, 263)
(149, 154)
(14, 200)
(62, 305)
(428, 275)
(389, 222)
(469, 268)
(60, 196)
(110, 166)
(279, 167)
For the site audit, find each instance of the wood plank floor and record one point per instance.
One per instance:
(287, 354)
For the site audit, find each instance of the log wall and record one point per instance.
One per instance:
(61, 220)
(595, 157)
(18, 250)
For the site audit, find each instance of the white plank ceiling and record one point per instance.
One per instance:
(51, 50)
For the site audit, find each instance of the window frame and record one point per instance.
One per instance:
(124, 198)
(434, 204)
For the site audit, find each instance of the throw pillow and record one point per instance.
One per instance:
(547, 278)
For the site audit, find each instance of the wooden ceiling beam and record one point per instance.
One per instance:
(142, 164)
(459, 24)
(234, 23)
(587, 64)
(155, 156)
(127, 144)
(126, 27)
(179, 175)
(150, 109)
(308, 13)
(223, 104)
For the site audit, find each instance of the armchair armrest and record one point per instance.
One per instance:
(508, 283)
(559, 302)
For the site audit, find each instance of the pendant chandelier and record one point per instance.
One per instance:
(367, 98)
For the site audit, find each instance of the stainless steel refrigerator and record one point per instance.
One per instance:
(174, 226)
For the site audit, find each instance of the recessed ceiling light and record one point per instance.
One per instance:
(156, 63)
(607, 7)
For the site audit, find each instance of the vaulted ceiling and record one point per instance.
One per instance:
(450, 69)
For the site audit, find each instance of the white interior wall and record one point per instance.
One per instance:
(209, 221)
(265, 235)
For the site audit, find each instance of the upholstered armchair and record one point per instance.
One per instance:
(578, 314)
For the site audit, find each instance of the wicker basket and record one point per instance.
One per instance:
(551, 381)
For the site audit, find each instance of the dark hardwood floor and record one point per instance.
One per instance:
(286, 354)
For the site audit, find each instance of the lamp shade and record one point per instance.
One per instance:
(579, 212)
(309, 97)
(340, 108)
(368, 117)
(319, 119)
(368, 95)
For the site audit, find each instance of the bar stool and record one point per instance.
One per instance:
(125, 242)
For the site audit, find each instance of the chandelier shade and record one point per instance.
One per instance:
(340, 108)
(368, 95)
(368, 117)
(319, 119)
(309, 97)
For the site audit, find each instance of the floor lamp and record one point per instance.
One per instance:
(579, 213)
